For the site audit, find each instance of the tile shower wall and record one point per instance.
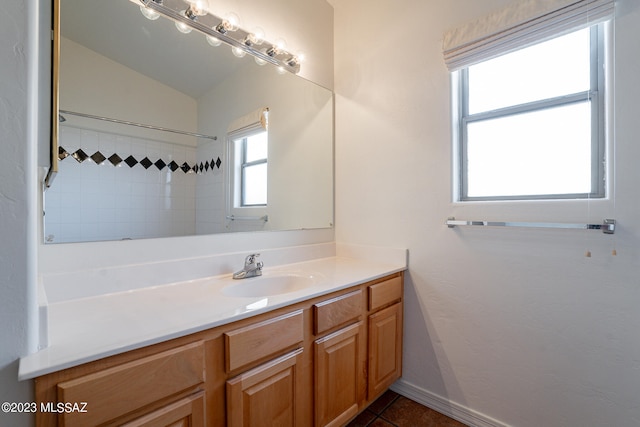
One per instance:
(90, 202)
(211, 197)
(210, 192)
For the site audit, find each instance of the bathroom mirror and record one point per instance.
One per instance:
(126, 83)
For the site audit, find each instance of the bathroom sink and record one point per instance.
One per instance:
(270, 284)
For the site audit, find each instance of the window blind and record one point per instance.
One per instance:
(518, 25)
(249, 123)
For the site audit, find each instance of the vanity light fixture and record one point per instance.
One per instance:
(218, 30)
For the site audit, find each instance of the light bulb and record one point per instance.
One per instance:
(224, 27)
(150, 14)
(238, 52)
(229, 23)
(281, 70)
(258, 35)
(281, 44)
(213, 41)
(259, 60)
(196, 8)
(277, 48)
(181, 26)
(301, 56)
(233, 20)
(251, 40)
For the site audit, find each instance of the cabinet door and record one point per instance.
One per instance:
(187, 412)
(385, 349)
(339, 385)
(266, 395)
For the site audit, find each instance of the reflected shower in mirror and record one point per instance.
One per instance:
(123, 172)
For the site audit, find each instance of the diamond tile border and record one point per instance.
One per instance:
(98, 158)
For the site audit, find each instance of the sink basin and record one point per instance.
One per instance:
(270, 284)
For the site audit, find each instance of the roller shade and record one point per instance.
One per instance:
(249, 123)
(518, 25)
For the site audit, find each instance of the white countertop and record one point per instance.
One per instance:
(86, 329)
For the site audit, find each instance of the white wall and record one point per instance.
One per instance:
(91, 83)
(18, 185)
(512, 325)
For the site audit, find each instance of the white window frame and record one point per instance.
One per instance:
(596, 94)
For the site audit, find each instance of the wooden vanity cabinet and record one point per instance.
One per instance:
(315, 363)
(339, 391)
(167, 386)
(339, 358)
(267, 394)
(385, 335)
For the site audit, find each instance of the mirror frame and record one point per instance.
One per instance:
(55, 94)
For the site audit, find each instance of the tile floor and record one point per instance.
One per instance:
(393, 410)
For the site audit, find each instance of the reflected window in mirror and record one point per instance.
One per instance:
(248, 148)
(253, 168)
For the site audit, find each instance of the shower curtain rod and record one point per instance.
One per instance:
(140, 125)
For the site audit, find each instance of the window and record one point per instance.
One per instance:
(247, 159)
(253, 166)
(531, 122)
(248, 162)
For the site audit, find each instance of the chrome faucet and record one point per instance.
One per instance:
(251, 268)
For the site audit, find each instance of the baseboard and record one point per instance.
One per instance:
(451, 409)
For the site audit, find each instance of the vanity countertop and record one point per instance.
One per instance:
(86, 329)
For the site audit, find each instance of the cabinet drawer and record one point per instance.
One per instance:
(337, 311)
(384, 293)
(254, 342)
(117, 391)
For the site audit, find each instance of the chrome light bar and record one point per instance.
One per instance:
(218, 28)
